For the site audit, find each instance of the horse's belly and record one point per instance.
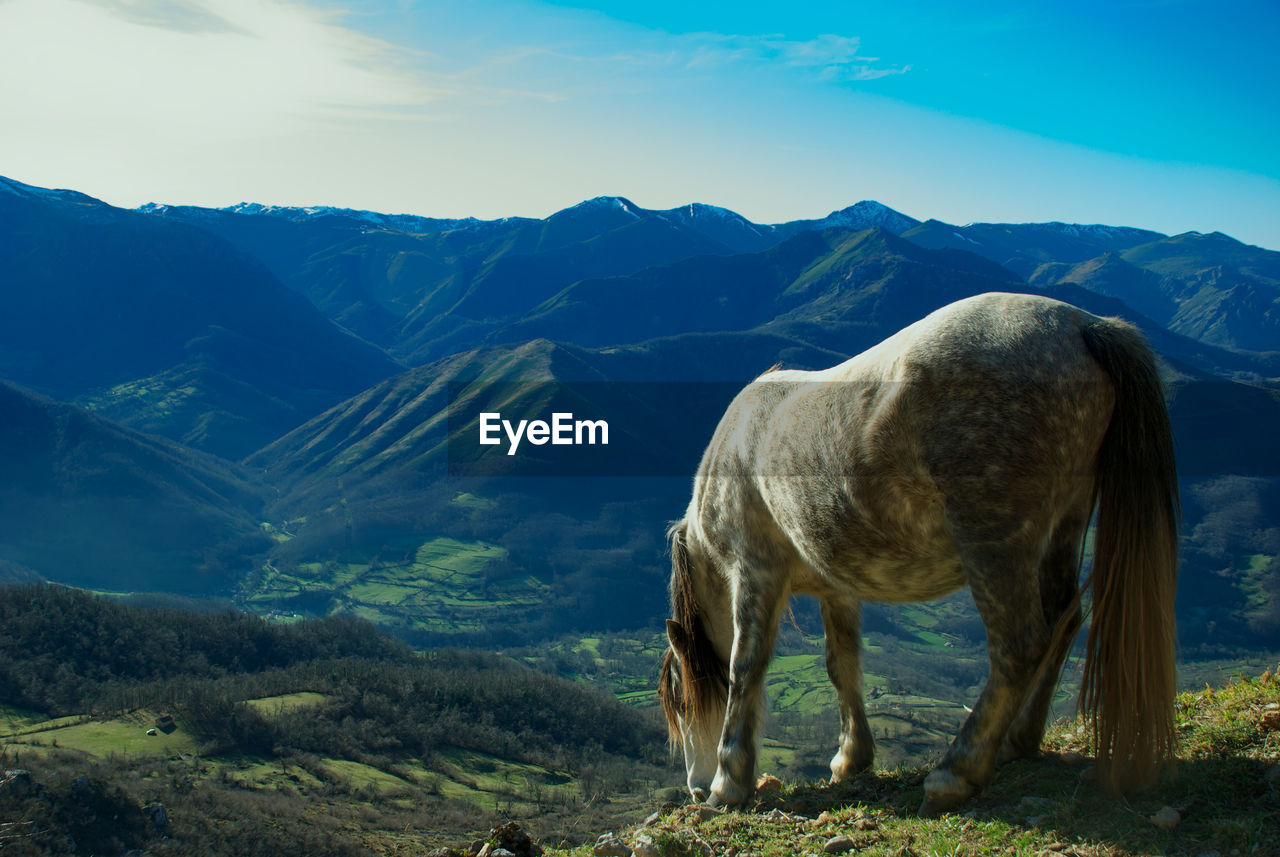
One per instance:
(919, 577)
(869, 569)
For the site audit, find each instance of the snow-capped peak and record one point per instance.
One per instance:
(403, 222)
(1091, 230)
(866, 215)
(299, 214)
(701, 210)
(605, 203)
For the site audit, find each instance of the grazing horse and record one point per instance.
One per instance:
(968, 449)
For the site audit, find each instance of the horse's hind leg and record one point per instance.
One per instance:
(1004, 582)
(842, 621)
(756, 602)
(1059, 573)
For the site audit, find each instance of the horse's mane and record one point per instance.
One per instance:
(704, 677)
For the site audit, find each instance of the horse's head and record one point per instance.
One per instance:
(694, 681)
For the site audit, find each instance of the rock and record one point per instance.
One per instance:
(1166, 818)
(1071, 757)
(444, 852)
(645, 847)
(768, 785)
(653, 819)
(838, 845)
(611, 846)
(501, 852)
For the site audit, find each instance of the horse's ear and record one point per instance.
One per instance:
(681, 642)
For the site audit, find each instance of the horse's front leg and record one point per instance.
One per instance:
(842, 621)
(756, 603)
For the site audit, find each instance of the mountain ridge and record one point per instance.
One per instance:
(604, 292)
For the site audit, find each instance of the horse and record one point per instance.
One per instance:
(970, 448)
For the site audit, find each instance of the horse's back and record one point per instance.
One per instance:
(1009, 406)
(981, 419)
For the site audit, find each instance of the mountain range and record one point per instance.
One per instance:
(291, 380)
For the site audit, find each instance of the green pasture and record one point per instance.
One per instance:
(272, 705)
(489, 781)
(125, 734)
(148, 397)
(358, 776)
(472, 501)
(437, 585)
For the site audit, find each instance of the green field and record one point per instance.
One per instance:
(358, 776)
(100, 737)
(441, 585)
(495, 783)
(272, 705)
(488, 782)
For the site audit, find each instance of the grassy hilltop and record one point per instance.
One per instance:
(100, 784)
(1224, 799)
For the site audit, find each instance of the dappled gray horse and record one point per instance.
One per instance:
(968, 449)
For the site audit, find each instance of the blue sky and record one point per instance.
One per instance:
(1159, 114)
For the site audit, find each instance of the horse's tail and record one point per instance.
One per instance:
(702, 680)
(1129, 683)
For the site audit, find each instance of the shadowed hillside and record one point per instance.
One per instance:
(93, 504)
(162, 326)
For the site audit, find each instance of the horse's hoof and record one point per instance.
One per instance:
(725, 796)
(944, 791)
(844, 768)
(719, 801)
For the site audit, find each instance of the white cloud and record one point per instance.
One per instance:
(173, 68)
(188, 15)
(829, 57)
